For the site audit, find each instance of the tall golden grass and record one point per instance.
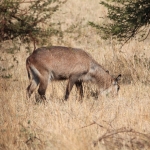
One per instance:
(103, 123)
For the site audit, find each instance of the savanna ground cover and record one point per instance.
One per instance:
(103, 123)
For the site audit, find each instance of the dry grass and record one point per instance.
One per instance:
(103, 123)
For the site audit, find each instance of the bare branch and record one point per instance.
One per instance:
(121, 130)
(146, 34)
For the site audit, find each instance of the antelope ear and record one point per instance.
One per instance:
(118, 78)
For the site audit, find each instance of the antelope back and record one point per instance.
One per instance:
(60, 61)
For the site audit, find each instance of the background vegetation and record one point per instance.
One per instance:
(126, 19)
(98, 123)
(27, 23)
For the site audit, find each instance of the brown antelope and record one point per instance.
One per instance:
(60, 63)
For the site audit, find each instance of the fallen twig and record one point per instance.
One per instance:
(121, 130)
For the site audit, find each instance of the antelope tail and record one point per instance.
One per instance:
(32, 71)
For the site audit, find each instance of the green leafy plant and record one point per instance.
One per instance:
(126, 19)
(27, 20)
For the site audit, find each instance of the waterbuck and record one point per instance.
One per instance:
(60, 63)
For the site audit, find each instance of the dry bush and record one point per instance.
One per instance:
(99, 122)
